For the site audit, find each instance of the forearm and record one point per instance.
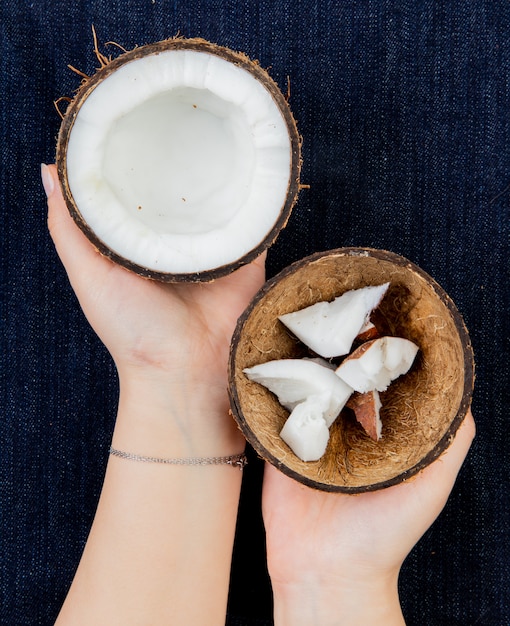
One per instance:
(319, 603)
(160, 547)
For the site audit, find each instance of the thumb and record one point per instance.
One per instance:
(80, 259)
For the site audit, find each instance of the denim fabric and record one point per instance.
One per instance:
(404, 109)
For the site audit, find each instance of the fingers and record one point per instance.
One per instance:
(430, 489)
(428, 492)
(260, 261)
(440, 476)
(445, 469)
(75, 251)
(459, 448)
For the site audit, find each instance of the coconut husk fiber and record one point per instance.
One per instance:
(421, 410)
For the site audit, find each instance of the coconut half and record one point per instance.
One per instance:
(180, 160)
(420, 410)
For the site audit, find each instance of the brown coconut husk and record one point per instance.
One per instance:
(421, 410)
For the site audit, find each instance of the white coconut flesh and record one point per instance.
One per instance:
(377, 363)
(305, 431)
(179, 161)
(329, 328)
(296, 380)
(308, 387)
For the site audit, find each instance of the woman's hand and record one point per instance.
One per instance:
(334, 558)
(172, 337)
(144, 323)
(160, 547)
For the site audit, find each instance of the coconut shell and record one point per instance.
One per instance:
(421, 410)
(199, 45)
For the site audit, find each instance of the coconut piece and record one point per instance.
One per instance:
(368, 332)
(294, 380)
(305, 431)
(329, 328)
(366, 408)
(320, 361)
(180, 160)
(375, 364)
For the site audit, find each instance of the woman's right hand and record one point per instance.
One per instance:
(334, 559)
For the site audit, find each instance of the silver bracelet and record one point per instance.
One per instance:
(235, 460)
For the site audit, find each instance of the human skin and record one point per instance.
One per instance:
(334, 559)
(159, 550)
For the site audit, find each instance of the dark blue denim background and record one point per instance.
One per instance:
(404, 108)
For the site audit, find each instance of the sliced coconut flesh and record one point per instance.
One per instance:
(295, 380)
(329, 328)
(376, 363)
(179, 161)
(305, 431)
(366, 408)
(368, 332)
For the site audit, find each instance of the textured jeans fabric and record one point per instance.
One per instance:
(404, 109)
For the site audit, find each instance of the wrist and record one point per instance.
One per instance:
(158, 416)
(326, 602)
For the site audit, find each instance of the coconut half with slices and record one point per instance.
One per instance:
(407, 424)
(180, 160)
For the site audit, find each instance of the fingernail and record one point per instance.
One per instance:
(47, 180)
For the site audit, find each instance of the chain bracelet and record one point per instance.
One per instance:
(235, 460)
